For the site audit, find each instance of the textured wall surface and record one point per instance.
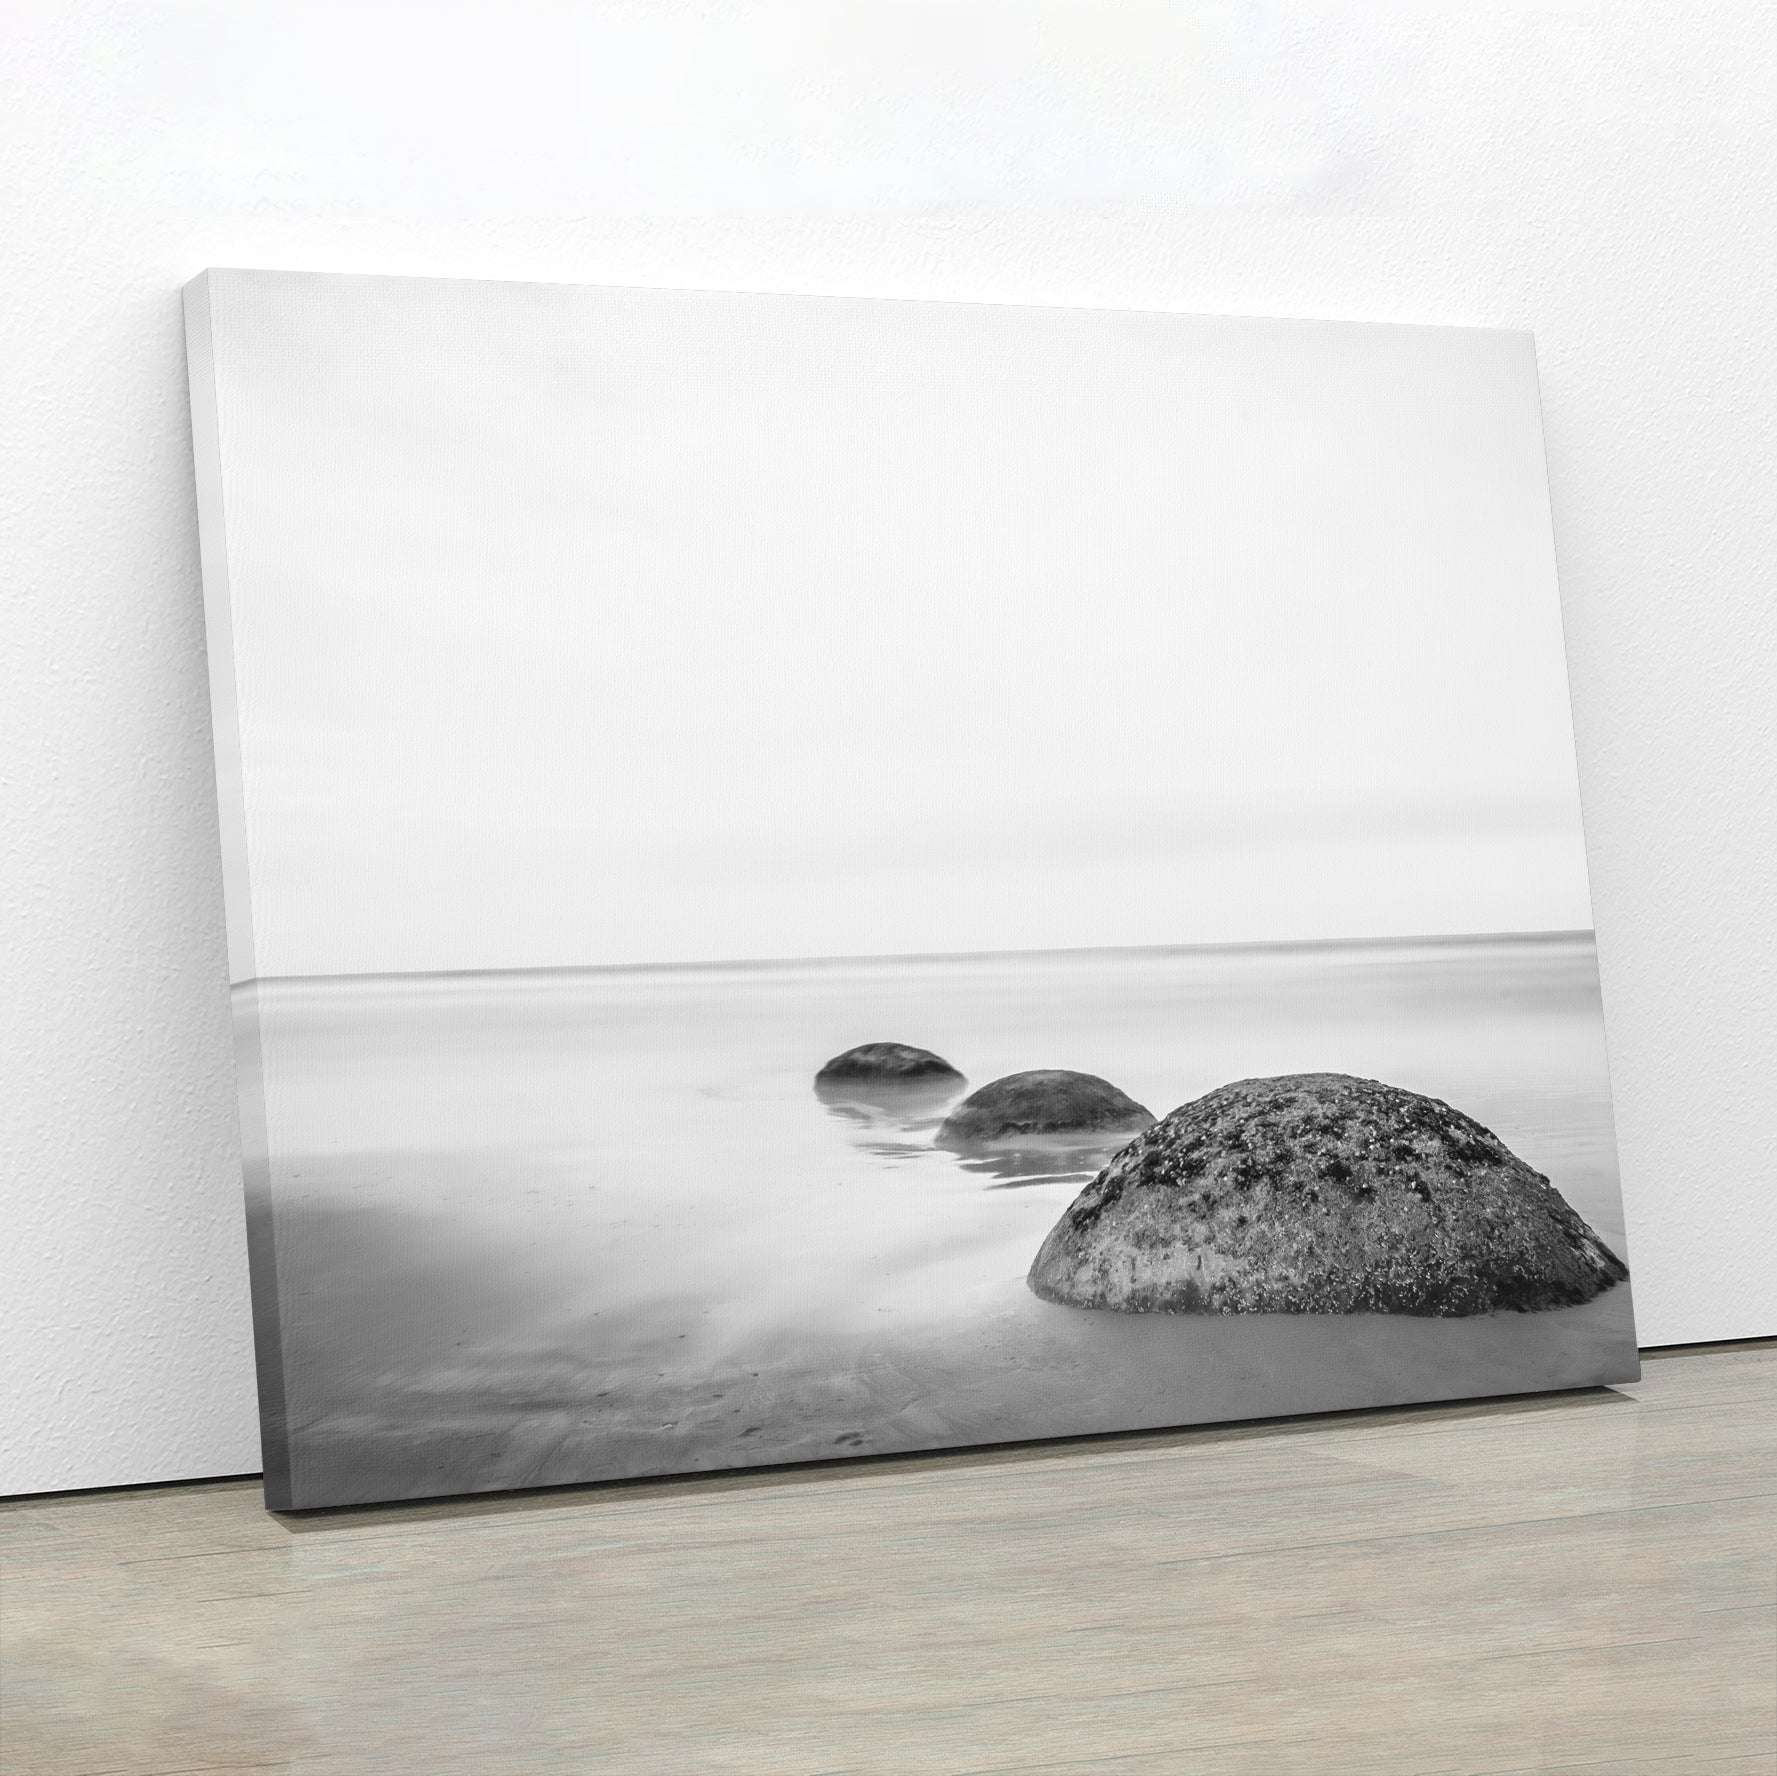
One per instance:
(1601, 175)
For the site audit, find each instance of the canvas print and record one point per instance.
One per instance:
(814, 877)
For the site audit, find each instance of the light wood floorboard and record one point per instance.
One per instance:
(1583, 1583)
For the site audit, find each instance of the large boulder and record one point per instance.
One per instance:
(1049, 1101)
(1320, 1193)
(887, 1063)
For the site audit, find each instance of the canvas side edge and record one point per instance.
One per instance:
(1561, 624)
(268, 1357)
(1629, 1369)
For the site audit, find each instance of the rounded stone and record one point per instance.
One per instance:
(1048, 1101)
(886, 1063)
(1321, 1193)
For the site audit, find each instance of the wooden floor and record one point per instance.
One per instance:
(1584, 1583)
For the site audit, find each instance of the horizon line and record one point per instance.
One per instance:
(742, 964)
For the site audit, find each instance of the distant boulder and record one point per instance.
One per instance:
(1320, 1193)
(887, 1063)
(1049, 1101)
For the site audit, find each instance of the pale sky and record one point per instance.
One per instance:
(577, 626)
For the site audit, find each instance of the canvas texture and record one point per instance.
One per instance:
(815, 877)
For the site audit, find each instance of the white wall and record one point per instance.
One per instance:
(1604, 175)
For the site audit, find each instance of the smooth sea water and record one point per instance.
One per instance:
(535, 1228)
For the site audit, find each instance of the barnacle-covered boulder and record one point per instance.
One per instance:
(1320, 1193)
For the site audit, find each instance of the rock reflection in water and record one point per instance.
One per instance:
(1042, 1159)
(890, 1119)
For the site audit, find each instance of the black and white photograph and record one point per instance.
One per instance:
(814, 877)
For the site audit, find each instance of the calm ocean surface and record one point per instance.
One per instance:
(543, 1227)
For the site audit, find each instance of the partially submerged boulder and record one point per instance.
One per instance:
(1049, 1101)
(887, 1063)
(1320, 1193)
